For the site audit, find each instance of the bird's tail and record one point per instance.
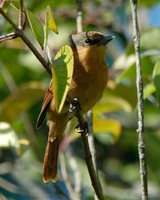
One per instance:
(50, 160)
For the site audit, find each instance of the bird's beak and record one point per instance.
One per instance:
(106, 39)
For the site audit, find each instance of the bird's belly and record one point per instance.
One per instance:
(88, 89)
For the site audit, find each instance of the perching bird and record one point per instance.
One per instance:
(90, 75)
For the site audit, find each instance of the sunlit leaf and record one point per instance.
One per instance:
(156, 79)
(149, 89)
(62, 70)
(24, 145)
(49, 24)
(149, 38)
(112, 103)
(130, 72)
(8, 137)
(156, 71)
(15, 4)
(37, 27)
(20, 101)
(107, 126)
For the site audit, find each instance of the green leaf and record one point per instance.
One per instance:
(20, 101)
(156, 79)
(49, 24)
(37, 27)
(149, 38)
(15, 4)
(62, 70)
(130, 72)
(112, 103)
(149, 89)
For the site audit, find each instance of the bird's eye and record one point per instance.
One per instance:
(87, 41)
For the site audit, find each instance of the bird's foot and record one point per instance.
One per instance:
(82, 129)
(75, 106)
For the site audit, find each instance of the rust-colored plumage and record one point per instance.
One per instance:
(89, 79)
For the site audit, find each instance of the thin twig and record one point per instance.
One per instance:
(87, 134)
(89, 120)
(20, 26)
(79, 16)
(91, 139)
(139, 82)
(76, 175)
(88, 156)
(8, 36)
(2, 3)
(72, 193)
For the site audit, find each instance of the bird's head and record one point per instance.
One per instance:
(90, 44)
(90, 39)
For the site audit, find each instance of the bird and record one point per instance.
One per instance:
(90, 76)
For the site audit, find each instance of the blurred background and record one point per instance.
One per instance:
(23, 82)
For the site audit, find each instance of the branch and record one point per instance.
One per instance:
(72, 192)
(87, 133)
(139, 82)
(2, 2)
(88, 155)
(8, 36)
(91, 139)
(21, 34)
(79, 16)
(20, 26)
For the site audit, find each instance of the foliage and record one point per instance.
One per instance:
(62, 70)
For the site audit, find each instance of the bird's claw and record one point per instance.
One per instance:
(75, 106)
(83, 129)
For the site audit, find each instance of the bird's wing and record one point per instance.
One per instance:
(47, 99)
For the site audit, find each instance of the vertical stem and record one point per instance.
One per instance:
(89, 119)
(139, 82)
(87, 138)
(20, 26)
(90, 137)
(79, 16)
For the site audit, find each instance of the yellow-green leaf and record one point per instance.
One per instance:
(20, 101)
(49, 24)
(112, 103)
(156, 79)
(149, 89)
(107, 126)
(37, 27)
(15, 4)
(62, 70)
